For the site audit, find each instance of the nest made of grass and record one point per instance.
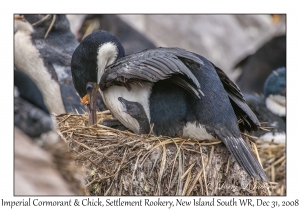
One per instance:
(123, 163)
(273, 159)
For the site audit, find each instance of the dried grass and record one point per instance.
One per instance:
(273, 158)
(122, 163)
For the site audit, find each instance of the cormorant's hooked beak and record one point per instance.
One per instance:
(92, 89)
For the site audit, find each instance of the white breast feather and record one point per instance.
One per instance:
(276, 104)
(276, 137)
(137, 93)
(197, 132)
(28, 60)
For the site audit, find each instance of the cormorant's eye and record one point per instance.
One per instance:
(89, 87)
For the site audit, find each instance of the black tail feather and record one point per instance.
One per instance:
(245, 157)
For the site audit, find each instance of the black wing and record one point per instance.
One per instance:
(248, 120)
(154, 65)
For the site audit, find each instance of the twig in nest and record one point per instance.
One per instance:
(187, 181)
(211, 155)
(133, 173)
(204, 175)
(151, 129)
(249, 136)
(117, 172)
(187, 171)
(265, 128)
(162, 168)
(276, 162)
(257, 155)
(170, 180)
(228, 164)
(194, 182)
(93, 150)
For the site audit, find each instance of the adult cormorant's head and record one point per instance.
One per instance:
(90, 59)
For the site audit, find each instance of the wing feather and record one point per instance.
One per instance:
(248, 119)
(245, 157)
(153, 65)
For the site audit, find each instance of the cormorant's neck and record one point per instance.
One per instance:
(144, 125)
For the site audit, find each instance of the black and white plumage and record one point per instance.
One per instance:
(275, 92)
(44, 46)
(42, 164)
(275, 125)
(182, 93)
(30, 112)
(271, 108)
(136, 111)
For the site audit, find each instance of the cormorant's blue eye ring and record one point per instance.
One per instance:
(89, 87)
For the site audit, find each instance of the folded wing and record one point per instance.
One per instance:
(154, 65)
(248, 120)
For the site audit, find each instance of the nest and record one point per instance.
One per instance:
(273, 159)
(123, 163)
